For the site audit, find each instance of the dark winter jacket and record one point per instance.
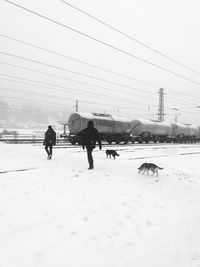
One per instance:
(50, 137)
(90, 136)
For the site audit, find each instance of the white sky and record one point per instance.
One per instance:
(170, 27)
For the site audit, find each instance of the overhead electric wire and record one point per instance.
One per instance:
(179, 100)
(110, 89)
(58, 86)
(74, 72)
(131, 38)
(102, 42)
(68, 79)
(23, 109)
(84, 63)
(38, 101)
(79, 61)
(93, 85)
(55, 86)
(87, 102)
(64, 90)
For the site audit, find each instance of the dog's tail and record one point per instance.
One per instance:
(117, 154)
(160, 168)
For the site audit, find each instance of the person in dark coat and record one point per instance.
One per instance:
(49, 141)
(90, 136)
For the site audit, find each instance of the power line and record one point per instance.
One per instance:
(102, 42)
(131, 38)
(87, 102)
(130, 102)
(33, 70)
(68, 79)
(17, 66)
(63, 91)
(54, 104)
(74, 72)
(37, 101)
(81, 62)
(6, 88)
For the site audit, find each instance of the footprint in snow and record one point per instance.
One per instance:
(38, 258)
(195, 260)
(73, 233)
(85, 218)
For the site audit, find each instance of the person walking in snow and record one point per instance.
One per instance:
(49, 141)
(90, 136)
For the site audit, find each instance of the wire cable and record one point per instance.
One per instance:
(84, 63)
(130, 37)
(74, 72)
(102, 42)
(64, 90)
(52, 75)
(55, 86)
(68, 79)
(131, 102)
(78, 61)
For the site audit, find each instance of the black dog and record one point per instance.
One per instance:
(146, 167)
(111, 153)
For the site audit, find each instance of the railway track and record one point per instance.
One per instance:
(62, 144)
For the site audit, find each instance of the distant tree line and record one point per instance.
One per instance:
(26, 115)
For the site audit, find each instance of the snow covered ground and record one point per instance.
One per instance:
(58, 213)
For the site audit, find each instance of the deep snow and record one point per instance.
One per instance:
(58, 213)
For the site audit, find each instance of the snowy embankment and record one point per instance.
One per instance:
(58, 213)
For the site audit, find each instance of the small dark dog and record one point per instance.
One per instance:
(146, 167)
(111, 153)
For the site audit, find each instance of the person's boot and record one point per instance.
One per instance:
(91, 167)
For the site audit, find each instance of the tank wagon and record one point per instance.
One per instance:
(119, 129)
(111, 128)
(183, 133)
(147, 130)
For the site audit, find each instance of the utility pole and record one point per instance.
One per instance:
(76, 106)
(161, 105)
(175, 114)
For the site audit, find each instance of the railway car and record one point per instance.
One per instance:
(119, 129)
(185, 133)
(111, 128)
(146, 130)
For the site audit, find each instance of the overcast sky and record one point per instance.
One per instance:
(57, 81)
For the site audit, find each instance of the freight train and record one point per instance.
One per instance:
(122, 130)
